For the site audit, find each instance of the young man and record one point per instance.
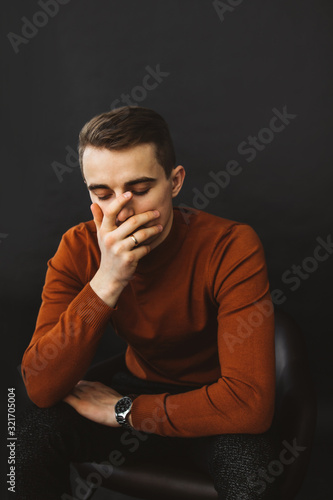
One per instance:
(189, 293)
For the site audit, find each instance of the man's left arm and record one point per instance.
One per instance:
(242, 399)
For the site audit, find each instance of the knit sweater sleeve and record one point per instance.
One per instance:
(70, 323)
(242, 399)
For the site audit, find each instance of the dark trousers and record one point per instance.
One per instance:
(49, 439)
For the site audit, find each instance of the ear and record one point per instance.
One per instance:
(177, 177)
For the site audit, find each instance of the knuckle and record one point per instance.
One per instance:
(109, 239)
(144, 233)
(130, 258)
(147, 216)
(117, 249)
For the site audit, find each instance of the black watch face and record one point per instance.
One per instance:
(123, 404)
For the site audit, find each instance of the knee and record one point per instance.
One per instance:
(239, 464)
(50, 418)
(37, 427)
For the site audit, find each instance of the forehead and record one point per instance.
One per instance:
(102, 166)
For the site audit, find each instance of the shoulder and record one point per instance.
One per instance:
(78, 255)
(79, 235)
(215, 231)
(78, 243)
(83, 230)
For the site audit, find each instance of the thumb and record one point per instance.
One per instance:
(97, 214)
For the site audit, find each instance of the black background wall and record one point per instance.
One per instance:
(218, 76)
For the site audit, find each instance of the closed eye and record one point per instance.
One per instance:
(140, 193)
(102, 198)
(136, 193)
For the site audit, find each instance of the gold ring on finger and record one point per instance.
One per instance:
(134, 239)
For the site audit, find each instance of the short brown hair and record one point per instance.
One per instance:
(126, 127)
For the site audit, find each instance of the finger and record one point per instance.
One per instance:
(141, 251)
(112, 210)
(77, 389)
(85, 382)
(85, 386)
(72, 400)
(142, 235)
(90, 383)
(133, 223)
(97, 214)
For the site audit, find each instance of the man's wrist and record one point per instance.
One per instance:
(129, 416)
(110, 294)
(123, 409)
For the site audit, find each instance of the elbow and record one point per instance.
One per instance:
(37, 389)
(260, 423)
(39, 397)
(259, 415)
(40, 400)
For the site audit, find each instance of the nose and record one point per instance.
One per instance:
(125, 213)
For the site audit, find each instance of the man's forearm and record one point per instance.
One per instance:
(58, 357)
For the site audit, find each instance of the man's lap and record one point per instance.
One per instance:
(73, 438)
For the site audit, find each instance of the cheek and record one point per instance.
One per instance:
(164, 206)
(148, 202)
(158, 201)
(95, 200)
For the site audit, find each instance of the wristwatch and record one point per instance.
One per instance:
(123, 409)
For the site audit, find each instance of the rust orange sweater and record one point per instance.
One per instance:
(197, 313)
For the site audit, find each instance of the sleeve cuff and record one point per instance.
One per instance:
(149, 414)
(91, 308)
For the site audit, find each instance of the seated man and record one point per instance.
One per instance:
(188, 291)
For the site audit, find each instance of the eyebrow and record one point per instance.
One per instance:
(127, 184)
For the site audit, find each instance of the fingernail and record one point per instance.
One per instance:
(127, 194)
(156, 213)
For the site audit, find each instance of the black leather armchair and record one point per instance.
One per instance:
(296, 417)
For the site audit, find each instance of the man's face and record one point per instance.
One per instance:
(111, 173)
